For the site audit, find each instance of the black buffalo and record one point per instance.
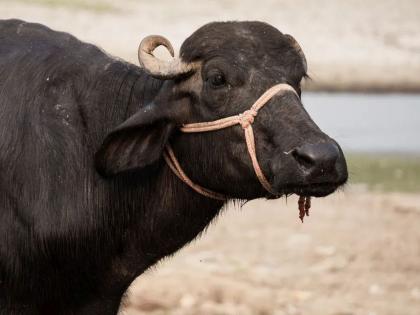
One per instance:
(88, 203)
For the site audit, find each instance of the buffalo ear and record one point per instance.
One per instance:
(136, 143)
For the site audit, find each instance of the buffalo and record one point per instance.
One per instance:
(100, 175)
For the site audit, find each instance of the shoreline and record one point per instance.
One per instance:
(373, 88)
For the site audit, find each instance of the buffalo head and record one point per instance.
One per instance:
(223, 68)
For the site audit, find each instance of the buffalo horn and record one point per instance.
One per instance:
(158, 68)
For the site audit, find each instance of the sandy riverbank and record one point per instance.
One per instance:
(357, 254)
(358, 45)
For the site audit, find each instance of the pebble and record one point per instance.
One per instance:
(297, 240)
(415, 293)
(376, 289)
(325, 250)
(187, 301)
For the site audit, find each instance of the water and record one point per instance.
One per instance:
(368, 122)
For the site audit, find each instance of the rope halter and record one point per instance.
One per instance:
(245, 119)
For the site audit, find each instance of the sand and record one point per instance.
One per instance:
(357, 253)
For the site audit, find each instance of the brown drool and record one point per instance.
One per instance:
(304, 204)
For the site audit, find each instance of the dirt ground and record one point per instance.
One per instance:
(357, 253)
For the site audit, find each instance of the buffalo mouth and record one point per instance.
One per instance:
(309, 190)
(305, 192)
(314, 190)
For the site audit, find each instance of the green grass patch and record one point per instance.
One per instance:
(92, 5)
(385, 172)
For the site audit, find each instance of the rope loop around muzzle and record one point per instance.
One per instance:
(245, 119)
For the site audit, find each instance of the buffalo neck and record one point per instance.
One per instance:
(160, 213)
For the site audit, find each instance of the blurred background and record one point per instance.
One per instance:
(359, 251)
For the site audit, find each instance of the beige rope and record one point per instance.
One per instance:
(250, 143)
(246, 120)
(173, 163)
(242, 119)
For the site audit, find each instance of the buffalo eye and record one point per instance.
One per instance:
(216, 80)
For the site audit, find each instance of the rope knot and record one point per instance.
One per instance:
(247, 117)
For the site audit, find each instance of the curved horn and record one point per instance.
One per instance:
(297, 47)
(157, 68)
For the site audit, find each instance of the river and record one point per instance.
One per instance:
(368, 122)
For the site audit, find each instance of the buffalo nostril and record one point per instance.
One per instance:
(317, 158)
(302, 158)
